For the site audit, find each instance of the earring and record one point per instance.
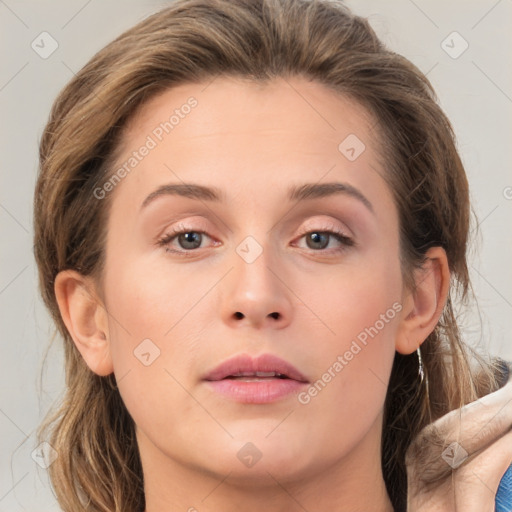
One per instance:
(421, 371)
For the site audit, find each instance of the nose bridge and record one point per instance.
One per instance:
(255, 292)
(253, 266)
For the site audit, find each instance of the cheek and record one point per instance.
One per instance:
(355, 355)
(153, 326)
(351, 299)
(146, 300)
(150, 335)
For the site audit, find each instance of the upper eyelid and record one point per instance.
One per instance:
(195, 229)
(331, 230)
(297, 225)
(197, 225)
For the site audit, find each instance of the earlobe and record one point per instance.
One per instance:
(423, 307)
(85, 319)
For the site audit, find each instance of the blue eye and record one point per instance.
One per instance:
(319, 240)
(190, 240)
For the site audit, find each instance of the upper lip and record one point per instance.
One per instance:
(246, 365)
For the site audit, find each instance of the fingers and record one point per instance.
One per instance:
(461, 434)
(470, 488)
(479, 423)
(476, 483)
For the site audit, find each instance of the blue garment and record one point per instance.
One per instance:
(504, 493)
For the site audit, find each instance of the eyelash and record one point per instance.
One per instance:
(165, 240)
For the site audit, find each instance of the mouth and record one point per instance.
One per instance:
(257, 376)
(265, 366)
(264, 379)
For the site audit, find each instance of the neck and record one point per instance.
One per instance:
(353, 484)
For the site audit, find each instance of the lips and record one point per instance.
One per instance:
(246, 368)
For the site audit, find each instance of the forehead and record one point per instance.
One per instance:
(230, 106)
(246, 135)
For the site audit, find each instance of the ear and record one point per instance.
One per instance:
(85, 318)
(423, 307)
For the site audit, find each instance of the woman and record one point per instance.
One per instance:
(250, 225)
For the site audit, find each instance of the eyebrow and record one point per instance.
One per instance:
(295, 193)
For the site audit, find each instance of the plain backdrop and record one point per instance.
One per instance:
(474, 88)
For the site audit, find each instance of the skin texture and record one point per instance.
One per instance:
(253, 142)
(482, 431)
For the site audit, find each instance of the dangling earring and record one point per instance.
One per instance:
(421, 371)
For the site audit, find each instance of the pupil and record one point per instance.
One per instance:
(188, 238)
(317, 239)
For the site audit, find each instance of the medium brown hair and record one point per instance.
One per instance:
(99, 468)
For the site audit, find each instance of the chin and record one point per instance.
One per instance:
(253, 461)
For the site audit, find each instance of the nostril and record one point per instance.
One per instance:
(239, 315)
(274, 315)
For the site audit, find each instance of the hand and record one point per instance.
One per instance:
(456, 463)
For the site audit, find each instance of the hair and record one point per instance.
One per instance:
(99, 467)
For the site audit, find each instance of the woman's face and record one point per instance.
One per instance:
(257, 274)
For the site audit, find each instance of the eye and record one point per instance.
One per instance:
(318, 240)
(187, 239)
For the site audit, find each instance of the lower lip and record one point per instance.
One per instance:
(256, 392)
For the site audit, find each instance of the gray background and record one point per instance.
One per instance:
(474, 89)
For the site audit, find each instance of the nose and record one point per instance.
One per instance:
(255, 293)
